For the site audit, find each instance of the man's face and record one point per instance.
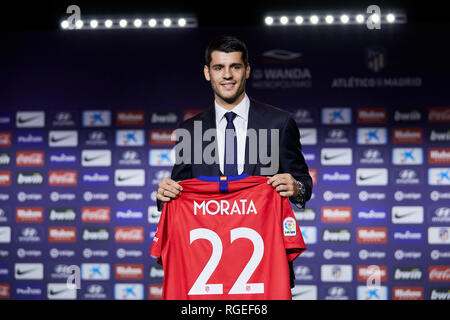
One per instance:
(227, 74)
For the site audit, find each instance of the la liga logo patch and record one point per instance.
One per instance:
(289, 227)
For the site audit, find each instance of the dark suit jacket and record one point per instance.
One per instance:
(261, 116)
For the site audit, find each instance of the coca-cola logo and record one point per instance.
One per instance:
(62, 178)
(95, 214)
(440, 114)
(129, 234)
(439, 273)
(29, 159)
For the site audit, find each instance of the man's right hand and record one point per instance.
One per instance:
(168, 189)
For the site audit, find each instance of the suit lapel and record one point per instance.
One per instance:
(253, 123)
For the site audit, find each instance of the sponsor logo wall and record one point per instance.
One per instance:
(78, 185)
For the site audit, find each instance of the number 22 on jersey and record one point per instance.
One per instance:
(241, 285)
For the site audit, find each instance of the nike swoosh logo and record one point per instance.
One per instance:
(25, 120)
(54, 293)
(93, 158)
(127, 178)
(362, 178)
(306, 134)
(54, 139)
(22, 272)
(301, 293)
(399, 216)
(327, 157)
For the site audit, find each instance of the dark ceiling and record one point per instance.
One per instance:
(44, 14)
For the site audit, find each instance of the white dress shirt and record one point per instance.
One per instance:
(240, 124)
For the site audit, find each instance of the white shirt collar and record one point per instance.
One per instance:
(241, 109)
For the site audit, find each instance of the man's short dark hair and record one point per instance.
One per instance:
(226, 43)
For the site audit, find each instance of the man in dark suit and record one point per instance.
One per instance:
(233, 117)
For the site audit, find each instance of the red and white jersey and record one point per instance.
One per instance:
(227, 238)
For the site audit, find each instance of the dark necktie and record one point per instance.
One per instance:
(230, 152)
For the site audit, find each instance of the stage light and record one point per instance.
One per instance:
(108, 23)
(181, 22)
(321, 18)
(344, 18)
(65, 24)
(314, 19)
(93, 24)
(298, 19)
(167, 22)
(390, 18)
(137, 23)
(359, 18)
(79, 24)
(123, 23)
(152, 23)
(375, 18)
(268, 21)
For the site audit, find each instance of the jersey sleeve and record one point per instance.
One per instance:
(160, 235)
(292, 236)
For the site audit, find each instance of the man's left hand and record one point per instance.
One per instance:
(284, 184)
